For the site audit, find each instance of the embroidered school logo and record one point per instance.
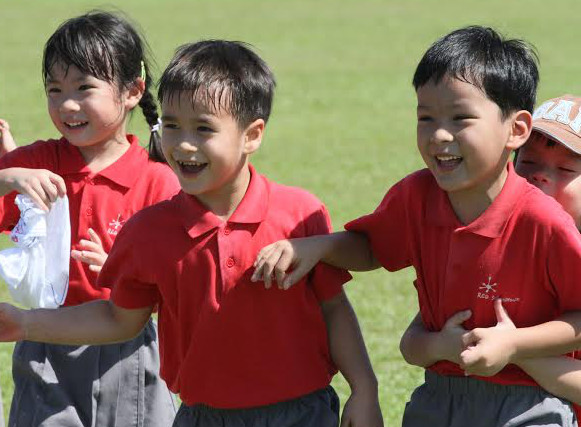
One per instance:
(487, 290)
(115, 225)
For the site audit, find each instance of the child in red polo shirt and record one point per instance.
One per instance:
(236, 353)
(95, 73)
(475, 232)
(551, 161)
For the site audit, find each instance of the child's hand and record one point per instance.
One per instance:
(11, 323)
(362, 411)
(41, 185)
(489, 350)
(7, 143)
(91, 252)
(450, 338)
(275, 260)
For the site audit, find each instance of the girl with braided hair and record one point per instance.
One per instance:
(95, 73)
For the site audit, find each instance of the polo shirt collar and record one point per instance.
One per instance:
(121, 172)
(493, 220)
(197, 219)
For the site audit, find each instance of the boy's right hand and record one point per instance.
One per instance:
(11, 323)
(7, 143)
(41, 185)
(275, 260)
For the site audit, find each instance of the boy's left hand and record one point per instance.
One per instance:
(361, 411)
(489, 350)
(91, 252)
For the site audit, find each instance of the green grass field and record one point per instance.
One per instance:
(343, 124)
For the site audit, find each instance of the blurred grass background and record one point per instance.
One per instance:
(343, 124)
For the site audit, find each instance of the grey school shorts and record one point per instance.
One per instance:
(318, 409)
(462, 401)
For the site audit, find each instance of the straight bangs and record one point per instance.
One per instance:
(80, 45)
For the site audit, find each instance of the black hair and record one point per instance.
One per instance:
(505, 70)
(226, 74)
(107, 47)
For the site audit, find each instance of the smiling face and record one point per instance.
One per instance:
(207, 149)
(85, 110)
(554, 169)
(462, 137)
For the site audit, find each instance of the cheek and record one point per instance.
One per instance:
(570, 198)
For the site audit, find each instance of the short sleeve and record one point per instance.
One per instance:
(387, 229)
(126, 269)
(564, 265)
(327, 281)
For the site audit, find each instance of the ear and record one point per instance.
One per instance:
(522, 125)
(253, 136)
(135, 93)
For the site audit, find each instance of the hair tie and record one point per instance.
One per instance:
(143, 73)
(155, 127)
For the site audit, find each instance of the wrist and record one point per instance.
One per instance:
(368, 386)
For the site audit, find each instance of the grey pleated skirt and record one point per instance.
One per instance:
(114, 385)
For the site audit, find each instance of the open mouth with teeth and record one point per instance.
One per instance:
(191, 168)
(448, 162)
(75, 125)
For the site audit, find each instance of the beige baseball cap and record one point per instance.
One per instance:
(560, 119)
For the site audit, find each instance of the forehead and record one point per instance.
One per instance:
(548, 149)
(190, 103)
(450, 92)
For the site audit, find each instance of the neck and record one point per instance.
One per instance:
(469, 205)
(99, 156)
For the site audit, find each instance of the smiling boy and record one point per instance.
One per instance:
(474, 232)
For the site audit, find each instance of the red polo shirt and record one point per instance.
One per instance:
(101, 201)
(524, 249)
(225, 341)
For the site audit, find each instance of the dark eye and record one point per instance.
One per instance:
(526, 162)
(424, 119)
(460, 117)
(567, 170)
(204, 129)
(85, 87)
(170, 126)
(53, 90)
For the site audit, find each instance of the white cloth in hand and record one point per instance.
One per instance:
(36, 270)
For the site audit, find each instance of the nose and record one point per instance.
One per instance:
(69, 105)
(441, 135)
(543, 180)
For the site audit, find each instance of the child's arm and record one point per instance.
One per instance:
(7, 143)
(558, 375)
(41, 185)
(350, 355)
(423, 348)
(488, 350)
(96, 322)
(345, 249)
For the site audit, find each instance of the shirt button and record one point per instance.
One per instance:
(227, 231)
(89, 211)
(230, 262)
